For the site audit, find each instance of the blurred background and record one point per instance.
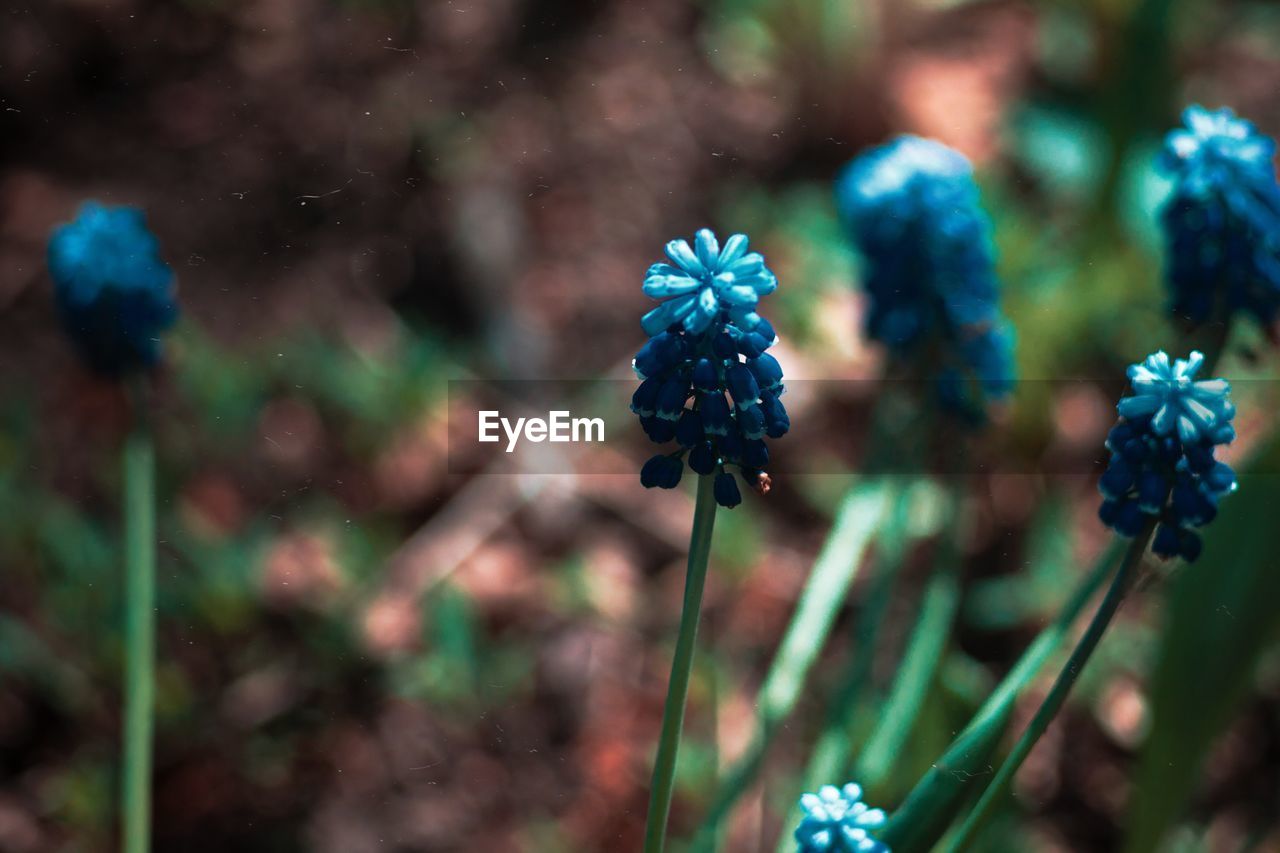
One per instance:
(366, 645)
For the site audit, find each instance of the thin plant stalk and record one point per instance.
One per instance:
(932, 803)
(664, 768)
(139, 631)
(1066, 679)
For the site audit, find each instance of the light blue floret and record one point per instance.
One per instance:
(835, 820)
(1168, 393)
(705, 283)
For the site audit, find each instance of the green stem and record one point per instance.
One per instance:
(917, 824)
(139, 635)
(1066, 679)
(664, 768)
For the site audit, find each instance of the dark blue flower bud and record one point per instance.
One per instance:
(765, 330)
(1117, 480)
(661, 471)
(715, 414)
(767, 371)
(671, 397)
(726, 490)
(661, 352)
(1153, 491)
(1220, 478)
(742, 385)
(751, 421)
(659, 431)
(1167, 542)
(1190, 506)
(724, 347)
(702, 459)
(1128, 518)
(775, 415)
(751, 344)
(689, 428)
(705, 376)
(644, 401)
(730, 446)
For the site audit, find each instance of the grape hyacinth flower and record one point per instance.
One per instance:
(1162, 464)
(707, 382)
(115, 296)
(113, 290)
(835, 820)
(912, 208)
(1222, 220)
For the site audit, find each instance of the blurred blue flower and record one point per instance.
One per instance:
(1162, 465)
(1222, 220)
(707, 340)
(912, 208)
(835, 820)
(114, 292)
(706, 285)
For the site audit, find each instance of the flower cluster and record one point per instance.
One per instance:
(912, 208)
(706, 340)
(837, 821)
(1222, 221)
(113, 290)
(1162, 464)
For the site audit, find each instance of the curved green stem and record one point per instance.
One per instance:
(1066, 679)
(664, 768)
(139, 635)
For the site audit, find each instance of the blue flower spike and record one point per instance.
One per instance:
(113, 290)
(835, 820)
(708, 381)
(1222, 220)
(1162, 465)
(912, 208)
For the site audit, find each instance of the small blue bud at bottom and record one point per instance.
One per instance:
(726, 490)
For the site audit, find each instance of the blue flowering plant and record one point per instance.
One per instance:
(1162, 465)
(115, 296)
(1161, 484)
(114, 292)
(1222, 219)
(707, 382)
(709, 386)
(835, 820)
(912, 209)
